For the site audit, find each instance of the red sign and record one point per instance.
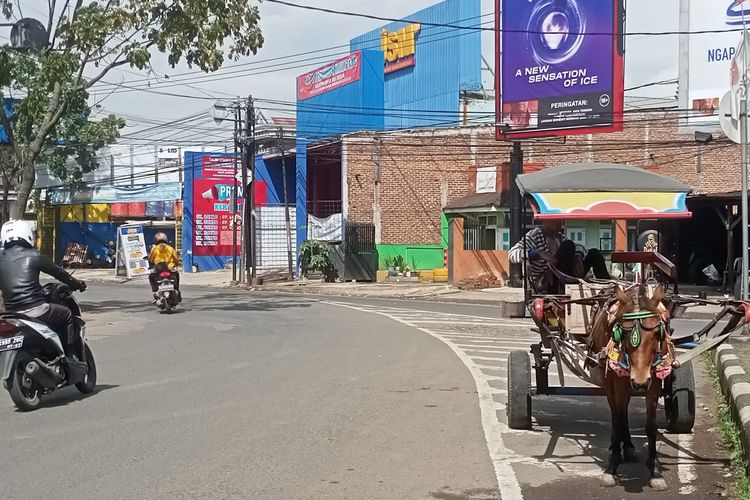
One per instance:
(329, 77)
(212, 213)
(218, 167)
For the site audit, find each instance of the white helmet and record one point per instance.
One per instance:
(17, 230)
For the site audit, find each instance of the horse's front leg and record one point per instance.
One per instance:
(615, 400)
(628, 448)
(652, 399)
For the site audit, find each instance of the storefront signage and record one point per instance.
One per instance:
(218, 167)
(165, 191)
(133, 250)
(212, 209)
(329, 77)
(561, 68)
(399, 47)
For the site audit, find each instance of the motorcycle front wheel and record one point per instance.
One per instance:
(22, 390)
(89, 383)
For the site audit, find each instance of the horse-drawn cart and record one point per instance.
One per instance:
(570, 319)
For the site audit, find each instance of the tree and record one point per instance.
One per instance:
(49, 122)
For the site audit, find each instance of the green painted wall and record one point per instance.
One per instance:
(418, 257)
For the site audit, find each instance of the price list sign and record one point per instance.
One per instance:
(212, 204)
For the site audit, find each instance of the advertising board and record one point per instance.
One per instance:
(561, 67)
(711, 34)
(213, 233)
(133, 250)
(331, 76)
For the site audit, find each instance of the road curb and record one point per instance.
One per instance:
(735, 385)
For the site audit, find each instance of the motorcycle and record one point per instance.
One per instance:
(32, 359)
(167, 296)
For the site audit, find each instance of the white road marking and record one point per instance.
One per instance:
(502, 457)
(685, 465)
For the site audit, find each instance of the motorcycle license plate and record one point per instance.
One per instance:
(166, 288)
(11, 343)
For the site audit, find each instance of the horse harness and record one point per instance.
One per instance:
(630, 330)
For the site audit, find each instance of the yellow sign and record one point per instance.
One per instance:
(399, 47)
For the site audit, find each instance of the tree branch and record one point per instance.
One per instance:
(53, 115)
(109, 67)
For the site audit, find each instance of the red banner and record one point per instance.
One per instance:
(218, 167)
(212, 213)
(329, 77)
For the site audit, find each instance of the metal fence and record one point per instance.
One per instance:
(272, 238)
(475, 236)
(324, 208)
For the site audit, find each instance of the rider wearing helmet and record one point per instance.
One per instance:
(20, 265)
(163, 257)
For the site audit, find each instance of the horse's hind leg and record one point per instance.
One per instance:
(628, 448)
(652, 398)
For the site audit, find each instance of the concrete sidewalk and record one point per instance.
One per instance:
(440, 292)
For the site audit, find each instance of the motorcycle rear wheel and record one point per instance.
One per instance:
(89, 384)
(22, 391)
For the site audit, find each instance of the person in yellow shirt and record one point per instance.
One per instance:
(163, 257)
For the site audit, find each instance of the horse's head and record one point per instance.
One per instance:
(639, 327)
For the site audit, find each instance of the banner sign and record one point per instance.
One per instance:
(218, 167)
(705, 68)
(165, 191)
(329, 77)
(561, 72)
(133, 250)
(326, 229)
(213, 233)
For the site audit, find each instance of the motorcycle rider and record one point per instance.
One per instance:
(163, 257)
(20, 265)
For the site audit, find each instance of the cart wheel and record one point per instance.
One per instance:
(679, 402)
(518, 408)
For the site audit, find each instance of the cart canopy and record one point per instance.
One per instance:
(603, 191)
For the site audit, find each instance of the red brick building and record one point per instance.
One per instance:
(401, 181)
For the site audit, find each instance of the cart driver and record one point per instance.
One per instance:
(547, 245)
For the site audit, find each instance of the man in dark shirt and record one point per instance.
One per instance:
(20, 266)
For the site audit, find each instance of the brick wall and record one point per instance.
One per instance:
(421, 171)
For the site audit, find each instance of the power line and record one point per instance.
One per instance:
(479, 28)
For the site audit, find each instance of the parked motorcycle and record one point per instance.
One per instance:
(167, 296)
(32, 359)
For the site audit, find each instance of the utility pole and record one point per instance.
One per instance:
(234, 199)
(248, 168)
(744, 162)
(516, 209)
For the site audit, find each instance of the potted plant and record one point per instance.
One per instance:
(399, 262)
(391, 267)
(315, 259)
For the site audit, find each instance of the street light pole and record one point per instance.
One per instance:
(234, 201)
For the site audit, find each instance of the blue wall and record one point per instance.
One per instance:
(270, 171)
(448, 60)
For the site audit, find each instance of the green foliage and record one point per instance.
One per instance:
(315, 256)
(731, 439)
(399, 262)
(86, 41)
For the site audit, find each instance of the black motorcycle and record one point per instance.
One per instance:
(32, 359)
(168, 297)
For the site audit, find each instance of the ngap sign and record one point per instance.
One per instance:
(400, 47)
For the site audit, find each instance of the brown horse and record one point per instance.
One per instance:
(632, 333)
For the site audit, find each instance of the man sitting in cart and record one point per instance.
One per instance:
(547, 246)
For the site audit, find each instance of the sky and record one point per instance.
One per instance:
(291, 31)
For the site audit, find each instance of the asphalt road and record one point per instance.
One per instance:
(245, 395)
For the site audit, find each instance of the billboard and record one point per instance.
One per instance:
(329, 77)
(561, 67)
(706, 58)
(212, 211)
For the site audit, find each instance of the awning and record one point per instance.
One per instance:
(603, 191)
(480, 202)
(165, 191)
